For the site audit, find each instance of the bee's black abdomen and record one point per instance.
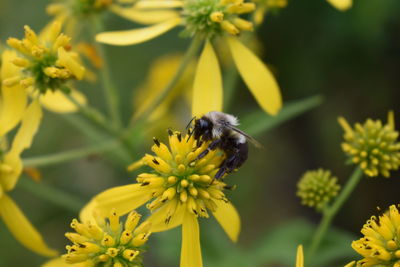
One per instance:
(236, 155)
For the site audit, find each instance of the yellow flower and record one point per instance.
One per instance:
(380, 244)
(266, 6)
(44, 65)
(373, 145)
(341, 5)
(317, 188)
(10, 171)
(178, 191)
(208, 19)
(300, 256)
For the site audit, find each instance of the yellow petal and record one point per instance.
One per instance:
(207, 88)
(87, 212)
(136, 36)
(29, 126)
(52, 30)
(144, 17)
(191, 249)
(65, 59)
(57, 262)
(159, 4)
(158, 218)
(58, 102)
(22, 229)
(257, 77)
(8, 180)
(342, 5)
(13, 99)
(300, 257)
(123, 198)
(228, 217)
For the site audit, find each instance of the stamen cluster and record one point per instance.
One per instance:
(373, 145)
(317, 188)
(108, 243)
(180, 180)
(213, 17)
(380, 245)
(46, 61)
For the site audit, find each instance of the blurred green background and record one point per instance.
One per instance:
(351, 59)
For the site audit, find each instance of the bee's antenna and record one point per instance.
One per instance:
(190, 122)
(190, 133)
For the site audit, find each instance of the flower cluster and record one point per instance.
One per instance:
(380, 245)
(317, 188)
(373, 145)
(108, 243)
(45, 61)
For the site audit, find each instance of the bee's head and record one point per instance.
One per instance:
(202, 128)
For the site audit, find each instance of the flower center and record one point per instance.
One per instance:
(181, 178)
(108, 243)
(212, 17)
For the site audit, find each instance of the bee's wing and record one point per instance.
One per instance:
(248, 137)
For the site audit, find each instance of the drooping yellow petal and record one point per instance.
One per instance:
(58, 102)
(122, 198)
(207, 88)
(22, 229)
(57, 262)
(341, 5)
(144, 17)
(13, 99)
(158, 218)
(257, 77)
(66, 60)
(29, 126)
(9, 178)
(300, 257)
(228, 217)
(87, 212)
(136, 36)
(191, 249)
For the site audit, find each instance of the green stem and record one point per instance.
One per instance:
(65, 156)
(110, 91)
(190, 53)
(330, 212)
(52, 195)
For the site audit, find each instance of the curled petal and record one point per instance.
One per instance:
(122, 198)
(22, 229)
(136, 36)
(144, 17)
(257, 77)
(191, 250)
(207, 88)
(228, 217)
(58, 102)
(341, 5)
(13, 99)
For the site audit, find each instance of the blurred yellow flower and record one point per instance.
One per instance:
(380, 244)
(10, 171)
(300, 256)
(43, 66)
(180, 189)
(208, 19)
(341, 5)
(265, 6)
(373, 145)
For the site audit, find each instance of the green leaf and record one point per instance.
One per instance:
(258, 121)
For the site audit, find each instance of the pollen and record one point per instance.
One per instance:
(179, 178)
(45, 61)
(380, 244)
(108, 241)
(373, 146)
(317, 188)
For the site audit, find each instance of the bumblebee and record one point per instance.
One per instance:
(220, 128)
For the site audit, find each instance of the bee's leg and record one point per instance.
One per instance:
(214, 144)
(233, 160)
